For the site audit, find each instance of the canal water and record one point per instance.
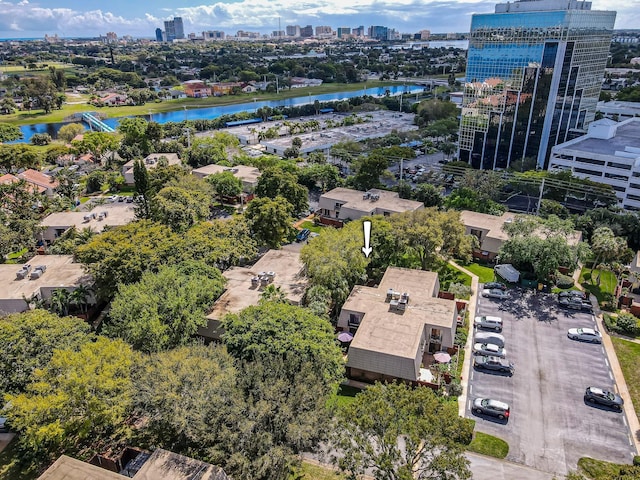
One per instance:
(214, 112)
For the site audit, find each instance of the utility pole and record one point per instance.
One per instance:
(540, 197)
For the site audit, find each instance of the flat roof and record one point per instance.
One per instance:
(355, 200)
(166, 465)
(117, 214)
(627, 135)
(61, 272)
(172, 158)
(240, 293)
(399, 334)
(243, 172)
(67, 468)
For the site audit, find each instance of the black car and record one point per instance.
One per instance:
(603, 397)
(574, 294)
(493, 363)
(495, 285)
(303, 235)
(574, 303)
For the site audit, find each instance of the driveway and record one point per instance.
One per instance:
(550, 426)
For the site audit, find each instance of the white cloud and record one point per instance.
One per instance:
(264, 15)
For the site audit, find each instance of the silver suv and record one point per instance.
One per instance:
(489, 406)
(488, 322)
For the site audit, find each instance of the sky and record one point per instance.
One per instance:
(90, 18)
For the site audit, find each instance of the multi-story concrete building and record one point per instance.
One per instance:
(534, 72)
(174, 29)
(378, 32)
(323, 30)
(212, 35)
(306, 32)
(293, 30)
(609, 154)
(344, 32)
(159, 35)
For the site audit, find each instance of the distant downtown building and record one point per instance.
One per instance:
(534, 71)
(159, 36)
(174, 29)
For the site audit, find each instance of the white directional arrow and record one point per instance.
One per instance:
(367, 238)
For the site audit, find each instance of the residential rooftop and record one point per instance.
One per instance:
(248, 175)
(241, 292)
(117, 214)
(61, 272)
(166, 465)
(67, 468)
(376, 200)
(389, 331)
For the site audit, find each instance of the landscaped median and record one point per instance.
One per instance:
(628, 354)
(489, 445)
(601, 470)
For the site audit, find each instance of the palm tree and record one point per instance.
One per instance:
(59, 301)
(79, 297)
(273, 294)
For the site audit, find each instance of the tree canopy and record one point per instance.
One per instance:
(402, 433)
(276, 182)
(164, 310)
(270, 220)
(29, 340)
(9, 132)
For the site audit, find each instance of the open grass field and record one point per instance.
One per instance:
(628, 354)
(600, 288)
(485, 273)
(70, 108)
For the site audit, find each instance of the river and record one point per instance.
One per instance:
(195, 113)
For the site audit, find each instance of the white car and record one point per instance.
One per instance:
(585, 335)
(488, 322)
(489, 349)
(495, 293)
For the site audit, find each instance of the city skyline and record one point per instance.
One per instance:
(25, 19)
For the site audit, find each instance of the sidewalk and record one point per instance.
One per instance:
(466, 368)
(623, 390)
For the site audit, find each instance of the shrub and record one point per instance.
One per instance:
(461, 337)
(636, 460)
(459, 290)
(627, 324)
(564, 281)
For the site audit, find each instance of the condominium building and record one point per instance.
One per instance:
(293, 30)
(534, 72)
(307, 31)
(609, 154)
(174, 29)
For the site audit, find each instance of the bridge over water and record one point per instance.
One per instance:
(95, 123)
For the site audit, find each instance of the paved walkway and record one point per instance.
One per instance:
(466, 368)
(5, 439)
(488, 468)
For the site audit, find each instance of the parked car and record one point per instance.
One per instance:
(488, 406)
(603, 397)
(573, 294)
(489, 349)
(574, 303)
(495, 293)
(494, 363)
(585, 335)
(489, 337)
(3, 425)
(303, 235)
(495, 286)
(488, 322)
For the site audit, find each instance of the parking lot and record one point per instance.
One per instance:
(550, 425)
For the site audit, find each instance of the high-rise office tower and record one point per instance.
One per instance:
(534, 71)
(174, 29)
(293, 30)
(306, 32)
(158, 35)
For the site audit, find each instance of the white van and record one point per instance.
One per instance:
(508, 272)
(489, 337)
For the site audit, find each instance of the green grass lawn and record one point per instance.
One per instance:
(488, 445)
(344, 396)
(310, 471)
(38, 116)
(485, 274)
(598, 469)
(311, 226)
(16, 255)
(607, 282)
(629, 357)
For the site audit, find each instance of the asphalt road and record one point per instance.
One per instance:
(550, 426)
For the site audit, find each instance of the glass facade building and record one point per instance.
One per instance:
(534, 72)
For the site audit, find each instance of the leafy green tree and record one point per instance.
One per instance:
(432, 110)
(180, 208)
(429, 234)
(273, 294)
(467, 199)
(606, 246)
(59, 301)
(283, 330)
(429, 195)
(40, 139)
(368, 171)
(270, 220)
(79, 401)
(402, 433)
(188, 401)
(141, 182)
(225, 184)
(96, 143)
(164, 309)
(9, 132)
(134, 134)
(274, 182)
(322, 175)
(122, 254)
(210, 150)
(29, 340)
(221, 243)
(70, 131)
